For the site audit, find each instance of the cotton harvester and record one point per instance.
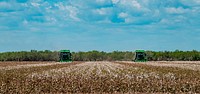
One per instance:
(65, 56)
(140, 56)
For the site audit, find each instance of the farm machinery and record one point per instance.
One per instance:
(140, 56)
(65, 56)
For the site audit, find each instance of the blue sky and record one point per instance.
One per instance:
(105, 25)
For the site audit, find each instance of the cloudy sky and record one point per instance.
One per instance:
(105, 25)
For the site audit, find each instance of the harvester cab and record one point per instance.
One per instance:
(65, 56)
(140, 56)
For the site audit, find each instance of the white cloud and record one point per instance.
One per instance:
(10, 6)
(178, 10)
(35, 4)
(51, 19)
(4, 4)
(127, 18)
(60, 6)
(197, 1)
(174, 20)
(123, 15)
(113, 11)
(131, 3)
(103, 11)
(25, 22)
(136, 4)
(190, 2)
(98, 16)
(69, 10)
(100, 1)
(115, 1)
(73, 11)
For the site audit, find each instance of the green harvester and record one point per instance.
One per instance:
(65, 56)
(140, 56)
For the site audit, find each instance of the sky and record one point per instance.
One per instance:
(104, 25)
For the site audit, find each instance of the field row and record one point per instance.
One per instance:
(192, 65)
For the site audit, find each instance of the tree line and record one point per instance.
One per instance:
(48, 55)
(32, 55)
(176, 55)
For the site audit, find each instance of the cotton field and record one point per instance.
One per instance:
(100, 77)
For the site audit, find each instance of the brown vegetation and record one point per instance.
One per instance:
(99, 77)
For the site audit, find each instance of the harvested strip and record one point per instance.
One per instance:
(27, 66)
(184, 66)
(85, 69)
(13, 63)
(179, 64)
